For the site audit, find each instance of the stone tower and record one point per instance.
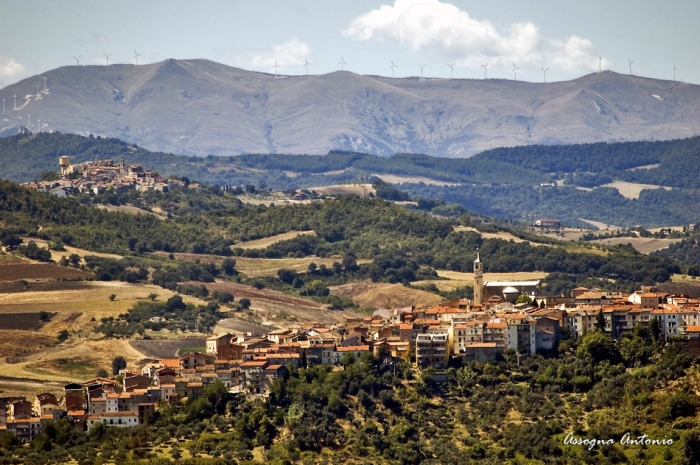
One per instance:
(478, 280)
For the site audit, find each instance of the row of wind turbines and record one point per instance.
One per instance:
(515, 69)
(342, 65)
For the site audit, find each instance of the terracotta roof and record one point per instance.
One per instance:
(351, 348)
(273, 367)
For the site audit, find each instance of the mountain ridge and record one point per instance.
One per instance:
(199, 107)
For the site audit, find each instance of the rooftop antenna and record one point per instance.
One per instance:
(77, 60)
(630, 65)
(600, 66)
(307, 64)
(421, 70)
(392, 69)
(544, 72)
(342, 64)
(674, 73)
(137, 55)
(486, 68)
(276, 67)
(451, 68)
(515, 73)
(107, 57)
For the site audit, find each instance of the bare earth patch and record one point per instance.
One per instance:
(129, 209)
(361, 190)
(601, 225)
(395, 179)
(384, 295)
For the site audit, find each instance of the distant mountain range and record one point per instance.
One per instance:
(198, 107)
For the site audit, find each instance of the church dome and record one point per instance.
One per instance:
(511, 290)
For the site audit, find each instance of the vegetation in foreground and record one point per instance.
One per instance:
(513, 411)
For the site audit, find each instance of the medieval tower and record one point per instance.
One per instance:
(478, 281)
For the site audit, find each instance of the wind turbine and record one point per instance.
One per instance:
(544, 72)
(39, 126)
(276, 67)
(107, 57)
(392, 69)
(44, 84)
(674, 73)
(15, 101)
(137, 55)
(29, 121)
(342, 64)
(630, 65)
(515, 72)
(421, 70)
(600, 68)
(486, 68)
(307, 64)
(451, 68)
(77, 60)
(2, 84)
(3, 106)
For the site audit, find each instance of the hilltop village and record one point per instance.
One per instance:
(99, 176)
(484, 329)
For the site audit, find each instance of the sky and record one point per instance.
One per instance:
(569, 38)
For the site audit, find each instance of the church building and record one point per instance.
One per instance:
(508, 291)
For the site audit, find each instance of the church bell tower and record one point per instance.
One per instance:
(478, 280)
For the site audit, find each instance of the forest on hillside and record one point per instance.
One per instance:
(501, 182)
(399, 242)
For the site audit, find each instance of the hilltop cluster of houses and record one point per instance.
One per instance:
(483, 329)
(99, 176)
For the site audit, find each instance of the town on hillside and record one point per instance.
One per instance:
(503, 318)
(99, 176)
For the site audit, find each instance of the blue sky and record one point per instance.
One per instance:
(565, 36)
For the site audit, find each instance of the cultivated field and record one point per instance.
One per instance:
(165, 348)
(275, 306)
(600, 225)
(643, 245)
(631, 190)
(268, 241)
(454, 279)
(39, 271)
(384, 295)
(499, 235)
(357, 189)
(259, 267)
(130, 209)
(56, 255)
(395, 179)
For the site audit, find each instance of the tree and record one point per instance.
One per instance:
(152, 296)
(112, 297)
(244, 303)
(229, 266)
(119, 363)
(102, 373)
(44, 316)
(312, 267)
(74, 259)
(63, 335)
(654, 329)
(599, 347)
(600, 322)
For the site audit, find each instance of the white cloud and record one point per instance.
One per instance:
(291, 52)
(9, 67)
(443, 31)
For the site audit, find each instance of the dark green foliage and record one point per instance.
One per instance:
(63, 335)
(33, 251)
(119, 363)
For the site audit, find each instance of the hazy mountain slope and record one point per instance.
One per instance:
(201, 107)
